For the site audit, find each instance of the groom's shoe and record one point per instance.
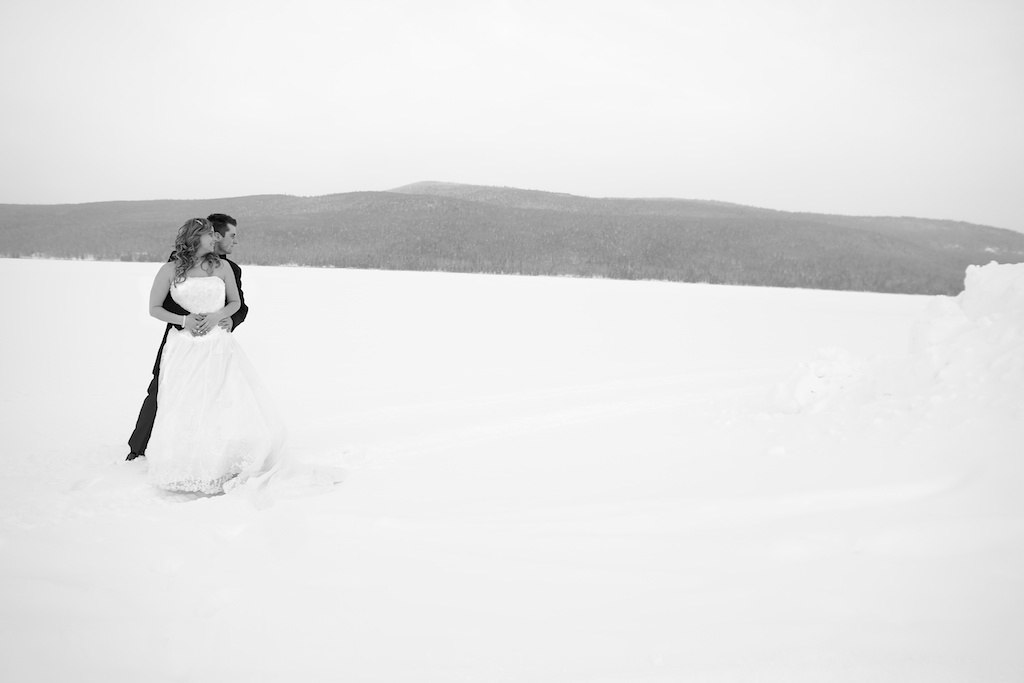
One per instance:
(132, 456)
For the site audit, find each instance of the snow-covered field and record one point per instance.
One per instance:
(549, 480)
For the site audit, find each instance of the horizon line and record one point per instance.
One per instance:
(399, 188)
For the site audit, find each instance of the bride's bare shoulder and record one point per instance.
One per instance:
(223, 270)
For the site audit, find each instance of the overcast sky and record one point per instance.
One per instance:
(874, 107)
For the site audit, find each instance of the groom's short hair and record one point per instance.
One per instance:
(221, 221)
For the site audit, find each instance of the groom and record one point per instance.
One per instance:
(227, 228)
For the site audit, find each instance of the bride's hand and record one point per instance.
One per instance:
(193, 321)
(208, 323)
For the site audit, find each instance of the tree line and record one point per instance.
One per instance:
(634, 240)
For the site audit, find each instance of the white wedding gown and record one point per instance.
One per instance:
(216, 425)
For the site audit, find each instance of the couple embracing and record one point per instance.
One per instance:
(207, 423)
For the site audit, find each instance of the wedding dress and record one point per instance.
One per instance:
(216, 425)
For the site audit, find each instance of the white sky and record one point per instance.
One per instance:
(891, 107)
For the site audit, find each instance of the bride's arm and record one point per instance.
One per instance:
(233, 302)
(161, 286)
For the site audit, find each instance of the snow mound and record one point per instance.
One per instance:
(972, 346)
(965, 348)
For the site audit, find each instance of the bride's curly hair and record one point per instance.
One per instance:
(186, 244)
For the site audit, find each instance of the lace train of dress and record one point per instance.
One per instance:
(216, 425)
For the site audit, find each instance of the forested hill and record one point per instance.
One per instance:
(470, 228)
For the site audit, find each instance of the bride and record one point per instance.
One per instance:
(216, 426)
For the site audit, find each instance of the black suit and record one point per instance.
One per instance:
(139, 439)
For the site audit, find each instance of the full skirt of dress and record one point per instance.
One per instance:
(216, 424)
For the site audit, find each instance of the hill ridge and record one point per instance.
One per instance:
(412, 188)
(432, 225)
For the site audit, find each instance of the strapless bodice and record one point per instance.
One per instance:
(199, 294)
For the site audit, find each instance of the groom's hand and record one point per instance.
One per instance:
(227, 323)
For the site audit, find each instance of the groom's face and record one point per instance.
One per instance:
(227, 243)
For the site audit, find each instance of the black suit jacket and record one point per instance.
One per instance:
(171, 305)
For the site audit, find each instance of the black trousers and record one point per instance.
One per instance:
(139, 439)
